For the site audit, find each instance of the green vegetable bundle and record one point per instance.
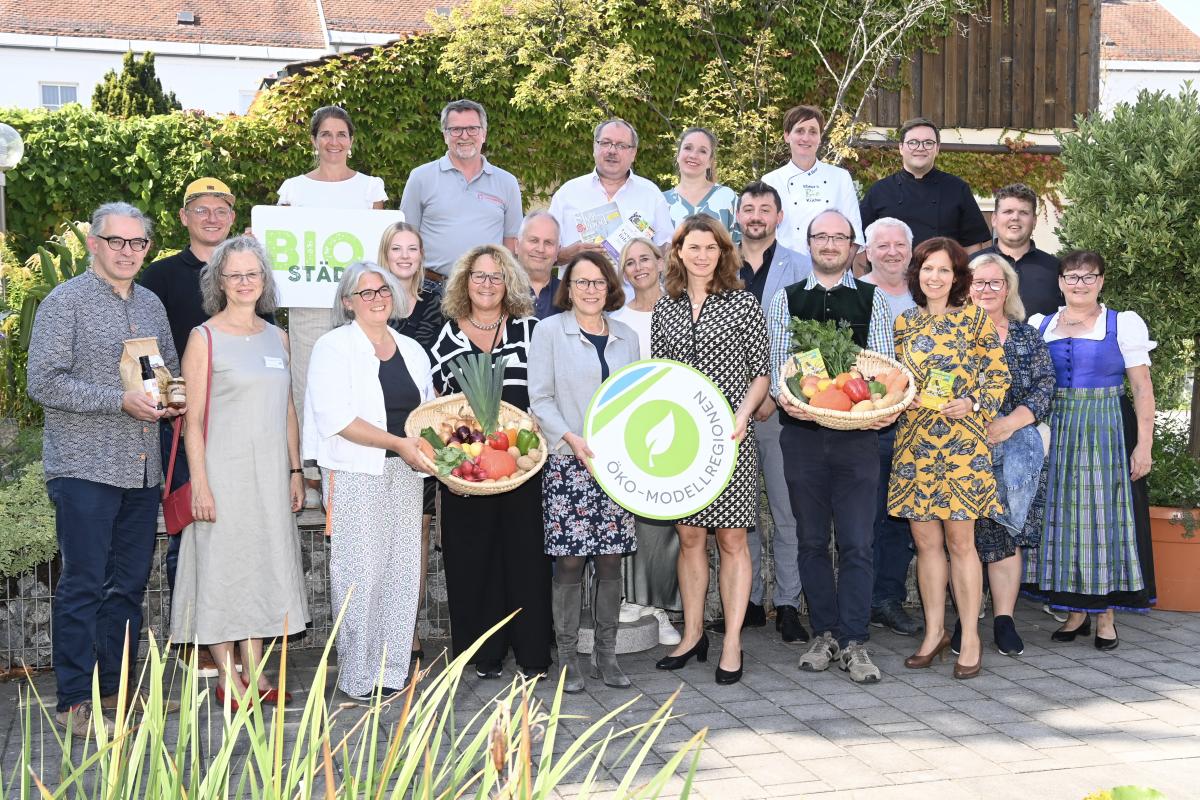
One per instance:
(833, 339)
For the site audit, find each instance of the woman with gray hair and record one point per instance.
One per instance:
(239, 577)
(364, 379)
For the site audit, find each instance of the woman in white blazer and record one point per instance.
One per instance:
(363, 381)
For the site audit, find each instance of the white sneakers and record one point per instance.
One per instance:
(666, 631)
(631, 612)
(667, 634)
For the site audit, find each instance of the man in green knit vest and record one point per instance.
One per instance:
(832, 476)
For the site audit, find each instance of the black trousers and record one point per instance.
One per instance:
(493, 550)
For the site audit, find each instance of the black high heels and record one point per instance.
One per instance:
(1107, 644)
(1069, 636)
(726, 677)
(699, 650)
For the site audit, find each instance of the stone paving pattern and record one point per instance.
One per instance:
(1060, 721)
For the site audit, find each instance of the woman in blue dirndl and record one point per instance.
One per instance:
(1096, 554)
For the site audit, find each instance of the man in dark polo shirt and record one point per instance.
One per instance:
(208, 215)
(931, 202)
(832, 475)
(1013, 221)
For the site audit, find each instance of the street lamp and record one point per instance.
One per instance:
(11, 150)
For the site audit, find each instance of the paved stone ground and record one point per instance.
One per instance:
(1058, 722)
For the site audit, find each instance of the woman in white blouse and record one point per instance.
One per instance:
(363, 382)
(1096, 554)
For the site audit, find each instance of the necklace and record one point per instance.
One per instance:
(491, 326)
(603, 328)
(1086, 318)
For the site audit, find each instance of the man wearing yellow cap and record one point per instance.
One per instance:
(208, 215)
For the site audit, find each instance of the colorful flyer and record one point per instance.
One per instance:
(595, 224)
(938, 389)
(811, 363)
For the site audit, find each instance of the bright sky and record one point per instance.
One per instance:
(1186, 11)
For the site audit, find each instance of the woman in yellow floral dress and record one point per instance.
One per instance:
(942, 469)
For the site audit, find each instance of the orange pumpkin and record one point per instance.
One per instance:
(832, 398)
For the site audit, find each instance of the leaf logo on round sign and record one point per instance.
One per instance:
(660, 433)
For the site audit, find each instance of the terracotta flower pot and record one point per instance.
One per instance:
(1176, 559)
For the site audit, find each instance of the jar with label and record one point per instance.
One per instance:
(176, 393)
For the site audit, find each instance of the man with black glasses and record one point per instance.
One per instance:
(100, 453)
(581, 204)
(462, 200)
(931, 202)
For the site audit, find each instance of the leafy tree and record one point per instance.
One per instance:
(1133, 190)
(134, 92)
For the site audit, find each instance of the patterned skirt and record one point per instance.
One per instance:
(579, 517)
(1091, 557)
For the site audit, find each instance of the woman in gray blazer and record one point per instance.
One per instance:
(570, 355)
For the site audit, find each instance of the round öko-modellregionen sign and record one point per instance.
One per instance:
(661, 434)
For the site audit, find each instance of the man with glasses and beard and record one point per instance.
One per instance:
(462, 200)
(832, 475)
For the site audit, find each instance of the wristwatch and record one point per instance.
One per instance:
(974, 404)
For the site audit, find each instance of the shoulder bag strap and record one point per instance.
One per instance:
(178, 424)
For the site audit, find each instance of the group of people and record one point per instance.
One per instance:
(714, 282)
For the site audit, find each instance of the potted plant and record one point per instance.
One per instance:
(1174, 488)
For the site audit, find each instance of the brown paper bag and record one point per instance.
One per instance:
(131, 368)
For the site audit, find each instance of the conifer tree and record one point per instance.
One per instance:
(133, 92)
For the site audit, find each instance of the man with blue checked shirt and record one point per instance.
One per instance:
(832, 475)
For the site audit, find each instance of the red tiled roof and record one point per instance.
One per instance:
(373, 16)
(277, 23)
(1142, 30)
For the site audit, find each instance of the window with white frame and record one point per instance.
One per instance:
(57, 95)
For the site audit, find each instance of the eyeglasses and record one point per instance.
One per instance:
(836, 238)
(920, 144)
(118, 243)
(583, 284)
(480, 278)
(620, 147)
(368, 295)
(242, 277)
(1086, 280)
(215, 213)
(992, 285)
(464, 130)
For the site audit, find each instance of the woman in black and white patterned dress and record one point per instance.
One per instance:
(492, 546)
(706, 320)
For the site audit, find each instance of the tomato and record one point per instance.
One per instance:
(499, 441)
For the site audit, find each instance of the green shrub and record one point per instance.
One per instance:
(1133, 186)
(1175, 479)
(27, 536)
(416, 745)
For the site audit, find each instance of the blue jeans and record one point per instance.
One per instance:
(106, 539)
(893, 536)
(832, 477)
(181, 476)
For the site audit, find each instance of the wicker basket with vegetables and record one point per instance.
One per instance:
(841, 385)
(475, 443)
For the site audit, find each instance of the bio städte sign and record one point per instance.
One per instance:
(660, 432)
(308, 248)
